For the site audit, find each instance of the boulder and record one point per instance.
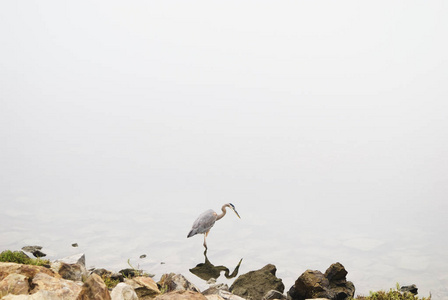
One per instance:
(94, 288)
(331, 285)
(27, 270)
(62, 288)
(255, 284)
(181, 295)
(123, 291)
(145, 287)
(176, 282)
(71, 268)
(74, 272)
(15, 284)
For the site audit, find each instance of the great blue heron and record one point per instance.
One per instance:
(207, 219)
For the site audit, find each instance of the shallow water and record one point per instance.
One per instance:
(110, 235)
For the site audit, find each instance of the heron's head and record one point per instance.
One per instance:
(234, 210)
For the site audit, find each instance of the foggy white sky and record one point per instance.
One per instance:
(250, 101)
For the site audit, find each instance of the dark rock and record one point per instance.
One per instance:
(255, 284)
(410, 289)
(130, 272)
(331, 285)
(142, 256)
(75, 245)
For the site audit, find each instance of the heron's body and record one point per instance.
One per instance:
(206, 220)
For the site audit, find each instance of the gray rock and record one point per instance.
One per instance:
(123, 291)
(35, 250)
(71, 267)
(176, 282)
(226, 295)
(214, 289)
(255, 284)
(409, 289)
(272, 294)
(74, 259)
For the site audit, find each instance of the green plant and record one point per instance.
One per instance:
(21, 258)
(109, 282)
(392, 294)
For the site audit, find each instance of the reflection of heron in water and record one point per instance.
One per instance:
(207, 219)
(207, 270)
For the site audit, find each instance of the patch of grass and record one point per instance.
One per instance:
(110, 283)
(19, 257)
(392, 294)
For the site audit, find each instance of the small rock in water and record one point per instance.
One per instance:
(143, 256)
(31, 248)
(409, 288)
(75, 245)
(35, 250)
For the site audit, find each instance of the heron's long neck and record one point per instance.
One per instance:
(223, 208)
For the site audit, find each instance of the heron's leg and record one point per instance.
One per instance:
(205, 243)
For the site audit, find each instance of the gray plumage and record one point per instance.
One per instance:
(207, 219)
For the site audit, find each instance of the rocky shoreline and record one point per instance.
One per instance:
(68, 278)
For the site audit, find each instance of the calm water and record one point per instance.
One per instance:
(376, 254)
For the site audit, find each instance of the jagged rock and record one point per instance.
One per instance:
(62, 288)
(74, 259)
(145, 287)
(176, 282)
(255, 284)
(272, 294)
(181, 295)
(94, 288)
(15, 284)
(123, 291)
(27, 270)
(71, 268)
(409, 289)
(74, 272)
(331, 285)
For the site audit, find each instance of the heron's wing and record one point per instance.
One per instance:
(203, 223)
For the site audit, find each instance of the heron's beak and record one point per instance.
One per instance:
(236, 213)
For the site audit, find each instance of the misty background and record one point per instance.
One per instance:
(324, 123)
